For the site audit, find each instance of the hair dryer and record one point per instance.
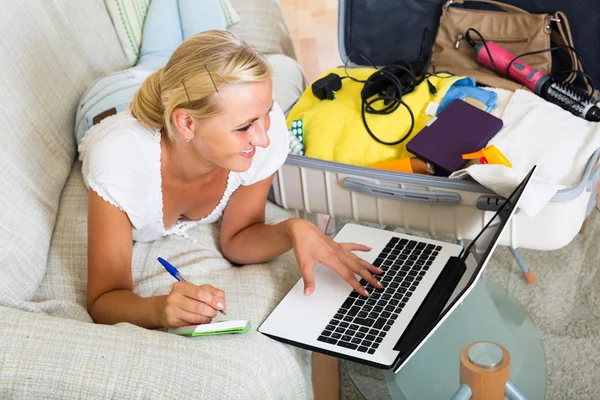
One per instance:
(565, 95)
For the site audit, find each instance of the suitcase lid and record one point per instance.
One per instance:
(382, 31)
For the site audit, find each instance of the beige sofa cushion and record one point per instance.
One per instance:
(49, 53)
(55, 358)
(289, 81)
(262, 25)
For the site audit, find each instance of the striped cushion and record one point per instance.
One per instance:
(231, 16)
(128, 19)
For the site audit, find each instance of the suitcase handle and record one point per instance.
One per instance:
(412, 195)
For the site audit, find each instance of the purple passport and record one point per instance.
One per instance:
(461, 128)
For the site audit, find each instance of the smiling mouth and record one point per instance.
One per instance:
(248, 153)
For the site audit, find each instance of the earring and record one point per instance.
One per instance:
(187, 140)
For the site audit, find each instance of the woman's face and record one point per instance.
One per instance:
(230, 138)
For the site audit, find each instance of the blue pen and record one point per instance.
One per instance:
(176, 274)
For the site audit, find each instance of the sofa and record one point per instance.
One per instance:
(50, 52)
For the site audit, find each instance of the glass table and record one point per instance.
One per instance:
(488, 313)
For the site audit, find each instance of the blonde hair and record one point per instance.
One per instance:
(229, 60)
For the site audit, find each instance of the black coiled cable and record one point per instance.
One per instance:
(389, 84)
(391, 98)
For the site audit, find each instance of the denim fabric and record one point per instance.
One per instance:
(114, 90)
(196, 19)
(464, 88)
(162, 31)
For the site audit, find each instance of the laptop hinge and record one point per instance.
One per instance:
(432, 306)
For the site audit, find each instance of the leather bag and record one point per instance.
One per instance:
(511, 27)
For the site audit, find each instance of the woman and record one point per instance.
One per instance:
(201, 142)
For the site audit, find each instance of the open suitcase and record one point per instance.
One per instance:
(421, 202)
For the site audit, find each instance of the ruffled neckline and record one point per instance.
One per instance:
(180, 228)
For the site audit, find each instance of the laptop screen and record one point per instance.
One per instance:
(498, 222)
(492, 232)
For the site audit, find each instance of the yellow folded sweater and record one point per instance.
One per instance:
(334, 131)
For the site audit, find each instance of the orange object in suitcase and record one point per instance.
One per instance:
(406, 164)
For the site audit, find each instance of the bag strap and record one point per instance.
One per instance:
(563, 37)
(502, 6)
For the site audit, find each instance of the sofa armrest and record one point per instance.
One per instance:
(262, 24)
(42, 357)
(289, 81)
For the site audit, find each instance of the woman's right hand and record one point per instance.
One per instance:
(188, 304)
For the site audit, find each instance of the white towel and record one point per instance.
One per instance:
(537, 132)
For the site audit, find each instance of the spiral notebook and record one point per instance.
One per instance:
(459, 129)
(216, 328)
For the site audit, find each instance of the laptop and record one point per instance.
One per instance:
(424, 280)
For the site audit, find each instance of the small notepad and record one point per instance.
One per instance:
(217, 328)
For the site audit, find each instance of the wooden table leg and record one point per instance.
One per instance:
(325, 377)
(485, 368)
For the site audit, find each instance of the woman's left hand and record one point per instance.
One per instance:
(312, 247)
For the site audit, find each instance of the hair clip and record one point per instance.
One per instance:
(187, 94)
(211, 78)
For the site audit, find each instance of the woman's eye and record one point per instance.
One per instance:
(245, 128)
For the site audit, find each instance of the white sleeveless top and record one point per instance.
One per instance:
(121, 162)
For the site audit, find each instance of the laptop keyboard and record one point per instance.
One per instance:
(362, 322)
